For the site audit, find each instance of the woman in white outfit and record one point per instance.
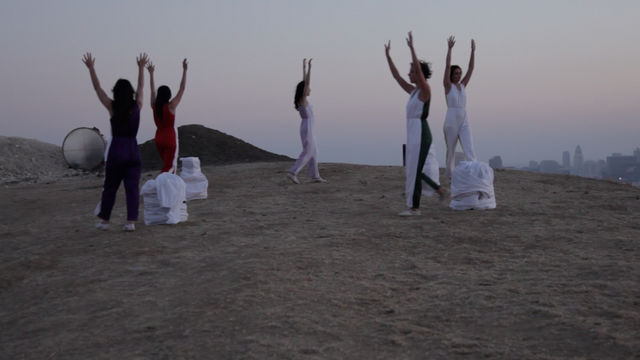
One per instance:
(418, 132)
(456, 122)
(309, 154)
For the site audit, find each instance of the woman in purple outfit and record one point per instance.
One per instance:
(123, 162)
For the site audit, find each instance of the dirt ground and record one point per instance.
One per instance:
(265, 269)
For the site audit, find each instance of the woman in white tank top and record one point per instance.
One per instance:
(456, 122)
(309, 154)
(418, 132)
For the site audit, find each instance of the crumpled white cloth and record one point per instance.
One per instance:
(472, 186)
(196, 182)
(164, 200)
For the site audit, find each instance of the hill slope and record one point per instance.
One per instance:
(213, 147)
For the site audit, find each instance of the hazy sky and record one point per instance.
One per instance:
(549, 74)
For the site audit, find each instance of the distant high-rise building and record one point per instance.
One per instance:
(496, 162)
(578, 161)
(550, 166)
(566, 160)
(623, 167)
(636, 153)
(594, 169)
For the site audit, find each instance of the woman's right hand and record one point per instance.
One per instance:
(88, 60)
(451, 41)
(387, 47)
(142, 60)
(151, 67)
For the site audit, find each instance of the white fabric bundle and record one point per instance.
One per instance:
(164, 200)
(194, 179)
(431, 168)
(472, 186)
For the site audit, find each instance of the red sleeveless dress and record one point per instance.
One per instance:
(166, 138)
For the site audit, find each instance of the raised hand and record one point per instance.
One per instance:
(387, 47)
(410, 40)
(151, 67)
(88, 60)
(473, 45)
(451, 41)
(184, 64)
(310, 63)
(142, 59)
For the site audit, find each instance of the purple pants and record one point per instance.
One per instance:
(123, 164)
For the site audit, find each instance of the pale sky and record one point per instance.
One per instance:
(549, 75)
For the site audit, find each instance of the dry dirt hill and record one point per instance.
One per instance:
(28, 160)
(213, 147)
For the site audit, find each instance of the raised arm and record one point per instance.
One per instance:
(304, 69)
(151, 69)
(89, 61)
(467, 76)
(173, 104)
(421, 81)
(142, 60)
(307, 77)
(446, 81)
(394, 71)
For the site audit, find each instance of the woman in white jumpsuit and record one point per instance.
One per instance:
(418, 132)
(309, 154)
(456, 122)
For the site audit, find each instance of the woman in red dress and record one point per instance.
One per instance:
(164, 115)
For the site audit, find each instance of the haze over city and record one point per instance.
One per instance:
(549, 75)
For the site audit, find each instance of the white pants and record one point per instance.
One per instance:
(309, 152)
(457, 128)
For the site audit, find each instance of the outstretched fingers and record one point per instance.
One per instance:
(142, 59)
(185, 64)
(451, 41)
(88, 60)
(410, 39)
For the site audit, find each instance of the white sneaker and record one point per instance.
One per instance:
(129, 227)
(102, 226)
(319, 180)
(293, 178)
(410, 212)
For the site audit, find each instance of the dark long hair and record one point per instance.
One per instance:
(123, 100)
(299, 94)
(163, 97)
(453, 67)
(426, 69)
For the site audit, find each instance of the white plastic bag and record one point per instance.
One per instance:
(164, 200)
(171, 190)
(472, 186)
(196, 182)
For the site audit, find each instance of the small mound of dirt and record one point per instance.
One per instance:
(213, 147)
(29, 160)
